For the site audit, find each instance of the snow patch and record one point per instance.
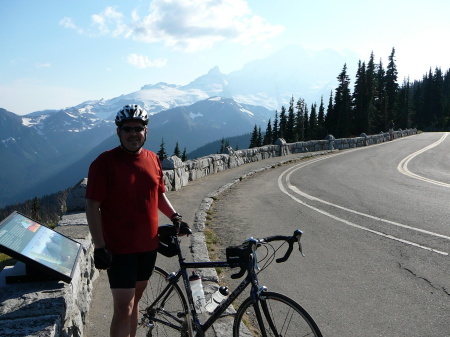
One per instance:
(27, 121)
(193, 115)
(247, 111)
(8, 140)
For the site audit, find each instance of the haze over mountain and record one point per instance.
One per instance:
(50, 150)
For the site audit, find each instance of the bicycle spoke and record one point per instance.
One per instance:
(162, 314)
(280, 317)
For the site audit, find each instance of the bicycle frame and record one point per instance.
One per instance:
(201, 328)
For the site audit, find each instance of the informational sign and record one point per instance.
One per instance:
(43, 250)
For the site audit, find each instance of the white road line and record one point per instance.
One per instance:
(403, 165)
(349, 223)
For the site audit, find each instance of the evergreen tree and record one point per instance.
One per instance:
(290, 124)
(306, 121)
(330, 118)
(370, 94)
(254, 137)
(259, 139)
(381, 117)
(300, 120)
(404, 105)
(275, 129)
(313, 122)
(321, 133)
(391, 86)
(184, 156)
(162, 151)
(283, 123)
(176, 151)
(35, 210)
(342, 105)
(359, 96)
(268, 135)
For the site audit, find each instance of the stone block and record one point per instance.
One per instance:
(76, 199)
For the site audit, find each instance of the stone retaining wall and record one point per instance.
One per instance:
(59, 309)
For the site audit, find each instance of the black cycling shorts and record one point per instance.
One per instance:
(127, 269)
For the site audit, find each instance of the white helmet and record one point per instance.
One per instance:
(131, 112)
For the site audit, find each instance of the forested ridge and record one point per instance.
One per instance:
(377, 98)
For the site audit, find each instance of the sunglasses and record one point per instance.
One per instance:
(136, 129)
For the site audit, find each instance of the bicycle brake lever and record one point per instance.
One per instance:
(298, 234)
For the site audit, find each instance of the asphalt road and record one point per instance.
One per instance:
(376, 235)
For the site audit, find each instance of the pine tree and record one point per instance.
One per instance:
(162, 151)
(275, 129)
(35, 210)
(321, 133)
(391, 86)
(176, 151)
(358, 100)
(381, 116)
(342, 105)
(313, 122)
(290, 124)
(330, 118)
(259, 140)
(254, 137)
(300, 120)
(283, 123)
(306, 121)
(404, 105)
(184, 156)
(268, 135)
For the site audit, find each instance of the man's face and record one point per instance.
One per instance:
(132, 135)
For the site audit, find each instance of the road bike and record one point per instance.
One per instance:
(167, 311)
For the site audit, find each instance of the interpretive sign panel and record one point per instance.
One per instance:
(42, 249)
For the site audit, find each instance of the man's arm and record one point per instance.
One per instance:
(94, 220)
(165, 206)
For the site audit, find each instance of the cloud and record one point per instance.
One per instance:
(143, 62)
(68, 23)
(43, 65)
(187, 25)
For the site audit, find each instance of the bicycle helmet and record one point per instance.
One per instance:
(131, 112)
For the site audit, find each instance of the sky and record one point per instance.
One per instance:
(56, 54)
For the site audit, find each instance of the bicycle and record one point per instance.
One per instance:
(263, 313)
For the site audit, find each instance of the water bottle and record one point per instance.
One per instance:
(217, 298)
(198, 295)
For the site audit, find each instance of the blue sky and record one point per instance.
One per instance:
(55, 54)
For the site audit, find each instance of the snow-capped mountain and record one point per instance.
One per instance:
(49, 150)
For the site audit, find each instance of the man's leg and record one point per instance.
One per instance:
(123, 309)
(140, 287)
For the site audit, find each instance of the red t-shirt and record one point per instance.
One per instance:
(128, 186)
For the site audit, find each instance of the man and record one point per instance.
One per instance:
(124, 192)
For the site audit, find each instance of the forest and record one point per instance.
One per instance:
(377, 98)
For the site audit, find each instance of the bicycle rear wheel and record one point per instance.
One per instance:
(163, 314)
(280, 316)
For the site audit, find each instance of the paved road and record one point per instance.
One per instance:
(186, 201)
(376, 235)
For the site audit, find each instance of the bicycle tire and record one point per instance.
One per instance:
(282, 317)
(169, 314)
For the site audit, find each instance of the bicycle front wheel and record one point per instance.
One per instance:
(278, 316)
(163, 307)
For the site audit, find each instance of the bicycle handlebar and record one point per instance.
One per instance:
(255, 243)
(290, 240)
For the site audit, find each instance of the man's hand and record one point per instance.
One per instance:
(176, 219)
(102, 258)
